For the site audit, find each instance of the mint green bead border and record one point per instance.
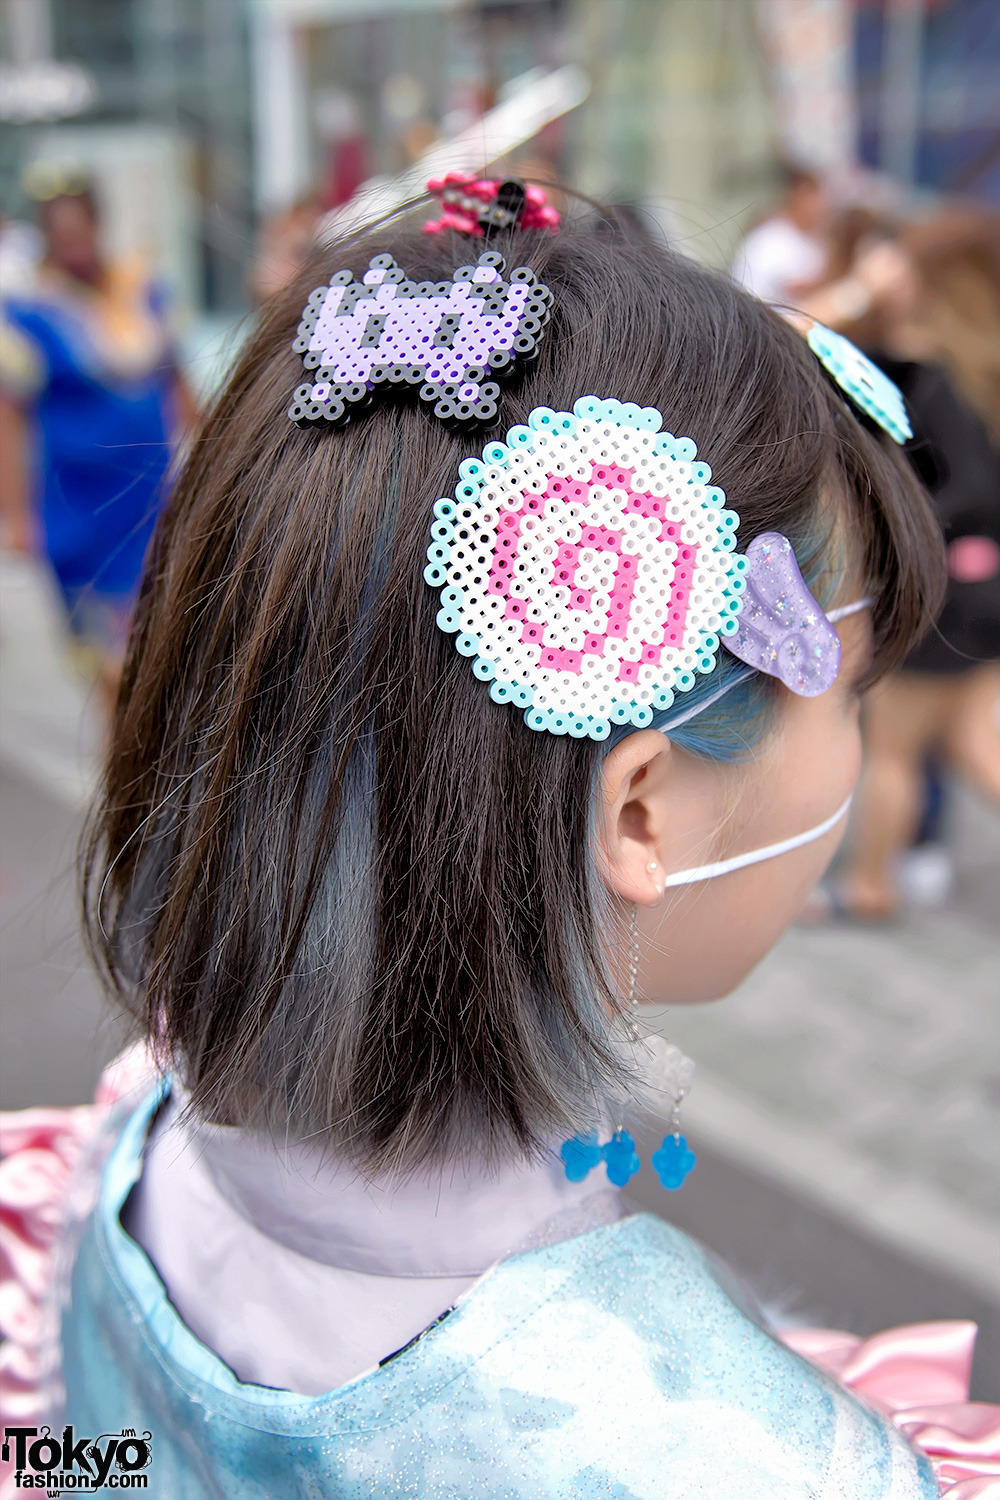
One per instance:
(447, 511)
(827, 345)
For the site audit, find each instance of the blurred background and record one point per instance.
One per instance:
(166, 164)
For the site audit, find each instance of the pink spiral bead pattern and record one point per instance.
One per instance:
(587, 566)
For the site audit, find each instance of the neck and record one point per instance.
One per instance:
(454, 1220)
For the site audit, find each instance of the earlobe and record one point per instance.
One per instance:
(634, 781)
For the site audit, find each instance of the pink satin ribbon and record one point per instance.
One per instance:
(40, 1149)
(918, 1375)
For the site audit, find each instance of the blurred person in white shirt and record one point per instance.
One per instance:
(786, 254)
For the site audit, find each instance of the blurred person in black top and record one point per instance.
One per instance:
(901, 297)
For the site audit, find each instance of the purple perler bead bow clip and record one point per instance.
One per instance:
(781, 629)
(450, 341)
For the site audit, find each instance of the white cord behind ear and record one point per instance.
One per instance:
(833, 615)
(755, 856)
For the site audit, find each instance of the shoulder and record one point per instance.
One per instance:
(623, 1347)
(776, 255)
(42, 321)
(609, 1364)
(768, 234)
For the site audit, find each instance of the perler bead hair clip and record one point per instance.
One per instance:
(588, 567)
(862, 382)
(449, 341)
(479, 205)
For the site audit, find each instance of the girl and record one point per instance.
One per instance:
(382, 933)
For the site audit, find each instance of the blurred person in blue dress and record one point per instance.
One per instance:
(91, 403)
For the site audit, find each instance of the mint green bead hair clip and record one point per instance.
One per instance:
(862, 382)
(587, 566)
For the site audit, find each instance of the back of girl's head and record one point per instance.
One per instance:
(350, 895)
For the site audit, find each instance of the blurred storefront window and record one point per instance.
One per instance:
(928, 86)
(203, 119)
(166, 131)
(680, 120)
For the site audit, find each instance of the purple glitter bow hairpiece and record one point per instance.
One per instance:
(451, 341)
(781, 629)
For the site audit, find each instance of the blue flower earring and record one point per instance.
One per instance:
(674, 1159)
(583, 1153)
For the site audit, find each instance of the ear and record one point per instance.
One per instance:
(634, 792)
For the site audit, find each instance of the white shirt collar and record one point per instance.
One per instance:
(455, 1220)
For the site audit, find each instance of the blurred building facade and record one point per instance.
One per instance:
(199, 117)
(167, 130)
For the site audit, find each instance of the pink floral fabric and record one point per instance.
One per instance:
(40, 1150)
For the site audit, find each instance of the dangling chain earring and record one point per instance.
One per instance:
(620, 1155)
(665, 1071)
(674, 1159)
(631, 1013)
(583, 1152)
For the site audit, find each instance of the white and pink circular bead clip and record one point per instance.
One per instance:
(587, 565)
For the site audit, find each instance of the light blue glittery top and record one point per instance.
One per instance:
(610, 1365)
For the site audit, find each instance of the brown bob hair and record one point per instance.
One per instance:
(348, 896)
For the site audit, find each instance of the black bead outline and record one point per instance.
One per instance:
(348, 400)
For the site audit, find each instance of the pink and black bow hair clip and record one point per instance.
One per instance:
(478, 206)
